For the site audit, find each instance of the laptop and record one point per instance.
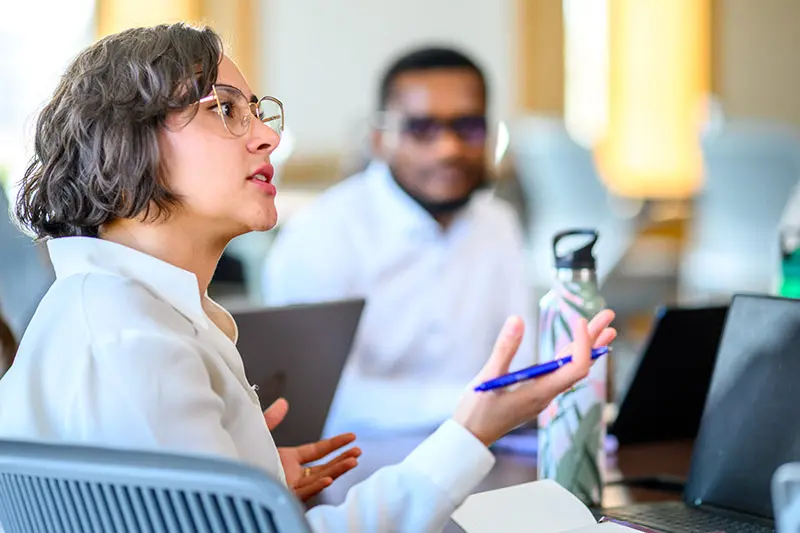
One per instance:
(748, 429)
(682, 348)
(298, 352)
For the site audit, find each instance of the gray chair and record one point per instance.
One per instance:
(563, 190)
(750, 171)
(63, 488)
(25, 272)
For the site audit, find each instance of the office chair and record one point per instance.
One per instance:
(25, 271)
(80, 489)
(750, 171)
(563, 190)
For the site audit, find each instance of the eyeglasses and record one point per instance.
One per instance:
(471, 129)
(236, 111)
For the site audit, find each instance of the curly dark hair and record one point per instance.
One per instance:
(96, 153)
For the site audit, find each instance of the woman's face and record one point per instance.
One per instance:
(212, 171)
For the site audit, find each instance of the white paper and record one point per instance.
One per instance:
(541, 506)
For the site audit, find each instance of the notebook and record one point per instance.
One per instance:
(542, 506)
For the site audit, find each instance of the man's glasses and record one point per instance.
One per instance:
(236, 111)
(471, 129)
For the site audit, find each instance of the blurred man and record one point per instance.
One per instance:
(439, 261)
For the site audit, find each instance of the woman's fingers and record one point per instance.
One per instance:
(308, 453)
(310, 490)
(505, 348)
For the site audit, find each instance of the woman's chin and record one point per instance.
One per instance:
(264, 224)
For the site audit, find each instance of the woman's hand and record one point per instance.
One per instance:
(490, 415)
(310, 481)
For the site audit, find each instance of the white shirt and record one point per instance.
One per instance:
(120, 353)
(436, 300)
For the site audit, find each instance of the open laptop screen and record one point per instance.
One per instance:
(298, 352)
(682, 349)
(751, 421)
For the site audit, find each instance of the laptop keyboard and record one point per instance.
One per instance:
(678, 518)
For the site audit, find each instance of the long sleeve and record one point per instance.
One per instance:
(417, 495)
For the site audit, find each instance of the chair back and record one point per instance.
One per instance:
(80, 489)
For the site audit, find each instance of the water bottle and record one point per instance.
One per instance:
(572, 429)
(790, 265)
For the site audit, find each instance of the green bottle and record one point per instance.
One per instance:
(790, 271)
(572, 428)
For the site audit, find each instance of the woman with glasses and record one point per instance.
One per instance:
(152, 154)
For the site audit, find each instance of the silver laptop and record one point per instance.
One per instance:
(298, 352)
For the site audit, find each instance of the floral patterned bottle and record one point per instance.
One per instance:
(572, 429)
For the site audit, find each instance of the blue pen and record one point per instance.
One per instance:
(534, 371)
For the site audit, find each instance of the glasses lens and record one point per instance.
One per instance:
(271, 114)
(422, 128)
(234, 110)
(471, 130)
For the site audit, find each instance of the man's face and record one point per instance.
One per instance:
(435, 136)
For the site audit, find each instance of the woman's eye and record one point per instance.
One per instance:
(226, 109)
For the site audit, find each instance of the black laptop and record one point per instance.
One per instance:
(682, 349)
(750, 425)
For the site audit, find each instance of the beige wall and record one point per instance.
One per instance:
(757, 58)
(332, 87)
(324, 58)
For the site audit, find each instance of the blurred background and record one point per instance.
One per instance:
(672, 126)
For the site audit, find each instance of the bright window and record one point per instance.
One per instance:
(37, 41)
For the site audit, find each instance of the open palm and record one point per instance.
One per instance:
(310, 481)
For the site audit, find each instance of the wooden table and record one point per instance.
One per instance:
(513, 468)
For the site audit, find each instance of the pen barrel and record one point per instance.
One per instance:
(572, 429)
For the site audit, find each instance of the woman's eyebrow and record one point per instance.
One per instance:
(253, 98)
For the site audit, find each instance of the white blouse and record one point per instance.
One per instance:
(121, 353)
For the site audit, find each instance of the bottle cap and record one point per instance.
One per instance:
(582, 257)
